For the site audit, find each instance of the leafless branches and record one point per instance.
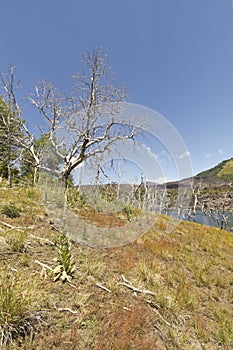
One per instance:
(88, 116)
(80, 126)
(10, 121)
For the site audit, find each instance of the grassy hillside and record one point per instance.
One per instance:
(223, 170)
(227, 170)
(163, 291)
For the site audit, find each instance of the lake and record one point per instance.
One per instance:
(218, 219)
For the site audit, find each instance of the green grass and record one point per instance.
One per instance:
(227, 169)
(223, 170)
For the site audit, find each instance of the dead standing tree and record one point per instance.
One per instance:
(17, 133)
(196, 189)
(10, 122)
(89, 116)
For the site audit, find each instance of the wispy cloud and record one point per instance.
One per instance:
(207, 155)
(183, 155)
(220, 151)
(150, 152)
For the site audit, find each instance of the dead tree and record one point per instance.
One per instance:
(23, 139)
(10, 123)
(89, 115)
(196, 189)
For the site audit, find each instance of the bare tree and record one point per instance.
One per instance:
(89, 115)
(10, 123)
(17, 133)
(196, 189)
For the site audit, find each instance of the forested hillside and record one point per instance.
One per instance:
(223, 170)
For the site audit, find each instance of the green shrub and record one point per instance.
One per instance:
(128, 211)
(74, 198)
(11, 211)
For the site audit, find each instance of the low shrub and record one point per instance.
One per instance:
(11, 211)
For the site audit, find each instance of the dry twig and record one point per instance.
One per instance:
(17, 227)
(104, 288)
(135, 289)
(45, 240)
(43, 265)
(69, 310)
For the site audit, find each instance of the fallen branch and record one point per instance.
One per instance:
(17, 227)
(43, 265)
(12, 269)
(10, 253)
(153, 304)
(126, 308)
(160, 332)
(162, 318)
(9, 189)
(104, 288)
(135, 289)
(124, 279)
(45, 240)
(154, 307)
(68, 309)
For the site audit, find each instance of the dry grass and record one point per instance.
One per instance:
(20, 305)
(190, 272)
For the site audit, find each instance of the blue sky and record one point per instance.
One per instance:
(175, 57)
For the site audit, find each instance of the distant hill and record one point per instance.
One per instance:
(215, 185)
(223, 171)
(220, 175)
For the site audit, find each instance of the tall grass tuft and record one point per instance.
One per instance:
(17, 240)
(19, 307)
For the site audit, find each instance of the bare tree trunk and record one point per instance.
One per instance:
(35, 175)
(195, 206)
(9, 162)
(64, 180)
(9, 170)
